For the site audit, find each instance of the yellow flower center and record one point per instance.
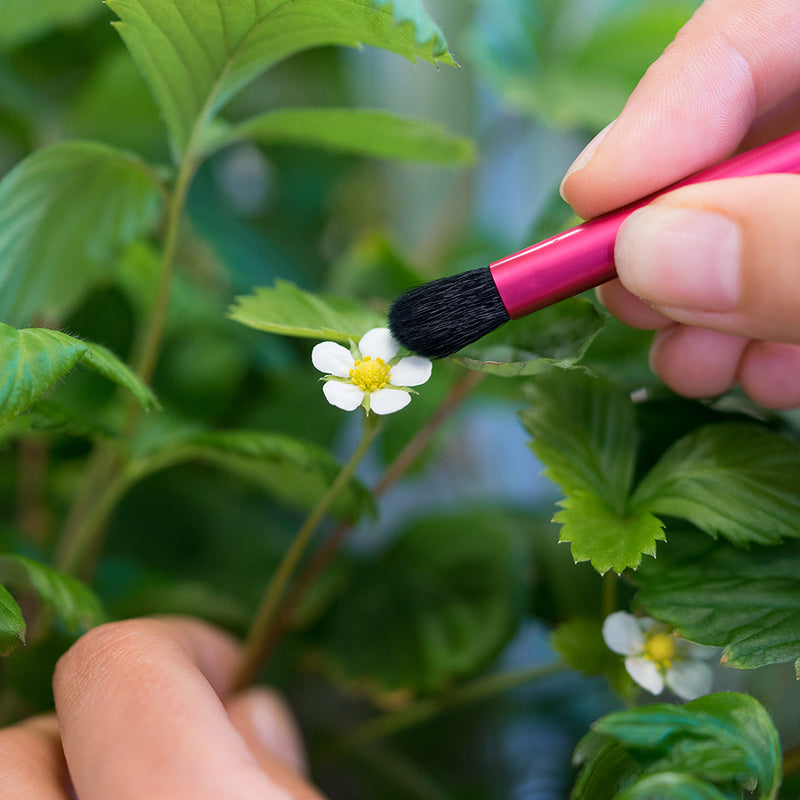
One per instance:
(660, 649)
(370, 374)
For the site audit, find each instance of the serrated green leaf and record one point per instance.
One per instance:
(554, 337)
(22, 21)
(12, 623)
(601, 535)
(76, 605)
(723, 738)
(745, 601)
(738, 481)
(196, 54)
(413, 12)
(671, 786)
(584, 432)
(294, 471)
(363, 132)
(33, 359)
(289, 311)
(453, 589)
(53, 249)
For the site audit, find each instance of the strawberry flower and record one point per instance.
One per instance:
(655, 657)
(371, 374)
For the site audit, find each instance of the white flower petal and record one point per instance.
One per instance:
(411, 371)
(332, 359)
(379, 343)
(387, 401)
(690, 679)
(343, 395)
(622, 633)
(645, 673)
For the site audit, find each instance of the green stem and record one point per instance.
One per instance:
(609, 590)
(791, 761)
(258, 636)
(154, 334)
(423, 710)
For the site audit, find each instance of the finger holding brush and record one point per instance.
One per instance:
(713, 267)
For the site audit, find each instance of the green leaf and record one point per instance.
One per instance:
(738, 481)
(745, 601)
(606, 766)
(603, 536)
(22, 21)
(196, 54)
(584, 432)
(289, 311)
(671, 786)
(295, 472)
(33, 359)
(65, 214)
(12, 623)
(362, 132)
(557, 336)
(725, 738)
(436, 606)
(76, 605)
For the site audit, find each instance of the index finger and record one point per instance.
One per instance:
(734, 61)
(141, 716)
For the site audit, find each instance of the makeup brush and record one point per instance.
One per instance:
(439, 318)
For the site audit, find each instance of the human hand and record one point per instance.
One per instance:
(714, 268)
(144, 710)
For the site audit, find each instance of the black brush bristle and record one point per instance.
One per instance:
(441, 317)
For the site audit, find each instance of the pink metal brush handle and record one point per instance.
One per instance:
(583, 257)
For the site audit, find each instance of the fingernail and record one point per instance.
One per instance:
(274, 727)
(681, 258)
(585, 156)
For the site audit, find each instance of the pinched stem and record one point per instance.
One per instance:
(258, 638)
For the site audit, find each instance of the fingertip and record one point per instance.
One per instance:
(265, 721)
(769, 373)
(695, 362)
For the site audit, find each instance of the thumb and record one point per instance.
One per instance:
(723, 255)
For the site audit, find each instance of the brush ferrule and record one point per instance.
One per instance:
(559, 267)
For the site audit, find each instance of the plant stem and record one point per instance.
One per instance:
(151, 346)
(423, 710)
(791, 761)
(420, 441)
(609, 590)
(258, 636)
(33, 516)
(328, 549)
